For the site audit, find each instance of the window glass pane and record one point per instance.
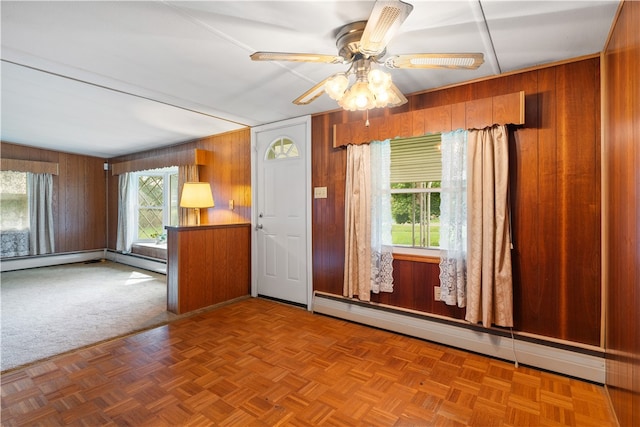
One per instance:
(282, 148)
(14, 208)
(415, 209)
(150, 206)
(150, 223)
(150, 190)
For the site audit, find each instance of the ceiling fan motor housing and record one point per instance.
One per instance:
(348, 41)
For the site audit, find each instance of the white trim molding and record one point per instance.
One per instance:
(575, 362)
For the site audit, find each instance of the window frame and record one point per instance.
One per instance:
(166, 174)
(418, 250)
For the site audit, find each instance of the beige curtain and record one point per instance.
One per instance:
(489, 278)
(187, 173)
(357, 269)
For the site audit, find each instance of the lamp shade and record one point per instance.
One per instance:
(196, 195)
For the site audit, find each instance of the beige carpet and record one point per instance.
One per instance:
(51, 310)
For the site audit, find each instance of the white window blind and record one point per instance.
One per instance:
(416, 159)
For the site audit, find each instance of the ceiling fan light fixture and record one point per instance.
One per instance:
(378, 80)
(336, 85)
(358, 97)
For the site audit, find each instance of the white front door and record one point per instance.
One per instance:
(281, 216)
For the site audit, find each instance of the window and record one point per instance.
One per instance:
(156, 202)
(282, 148)
(14, 207)
(416, 171)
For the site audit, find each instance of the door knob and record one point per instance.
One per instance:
(259, 227)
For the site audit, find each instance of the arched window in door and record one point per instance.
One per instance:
(282, 148)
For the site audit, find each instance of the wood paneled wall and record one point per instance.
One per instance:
(555, 192)
(621, 171)
(207, 265)
(79, 204)
(228, 170)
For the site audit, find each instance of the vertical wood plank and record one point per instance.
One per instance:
(478, 113)
(621, 194)
(418, 123)
(458, 116)
(438, 119)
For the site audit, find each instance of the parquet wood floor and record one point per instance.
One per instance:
(262, 363)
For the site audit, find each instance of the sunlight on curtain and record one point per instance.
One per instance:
(125, 212)
(357, 268)
(40, 195)
(381, 220)
(368, 247)
(453, 219)
(187, 173)
(489, 280)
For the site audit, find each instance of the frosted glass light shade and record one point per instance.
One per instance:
(378, 80)
(358, 97)
(196, 195)
(336, 85)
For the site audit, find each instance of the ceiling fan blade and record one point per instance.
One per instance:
(296, 57)
(401, 99)
(312, 94)
(469, 61)
(386, 17)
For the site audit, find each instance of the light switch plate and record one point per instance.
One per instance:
(320, 192)
(231, 204)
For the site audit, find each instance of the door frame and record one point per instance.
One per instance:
(306, 120)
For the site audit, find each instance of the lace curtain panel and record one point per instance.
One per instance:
(381, 220)
(453, 219)
(368, 249)
(14, 243)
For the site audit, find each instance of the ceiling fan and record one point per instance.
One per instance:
(363, 44)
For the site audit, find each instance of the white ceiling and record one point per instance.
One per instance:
(116, 77)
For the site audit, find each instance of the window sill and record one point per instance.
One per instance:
(149, 249)
(431, 256)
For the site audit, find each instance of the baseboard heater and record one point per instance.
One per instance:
(564, 359)
(21, 263)
(138, 261)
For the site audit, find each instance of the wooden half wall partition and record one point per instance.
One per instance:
(175, 158)
(29, 166)
(476, 114)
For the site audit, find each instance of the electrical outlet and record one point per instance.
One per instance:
(436, 293)
(320, 193)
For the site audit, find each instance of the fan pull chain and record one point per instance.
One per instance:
(367, 122)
